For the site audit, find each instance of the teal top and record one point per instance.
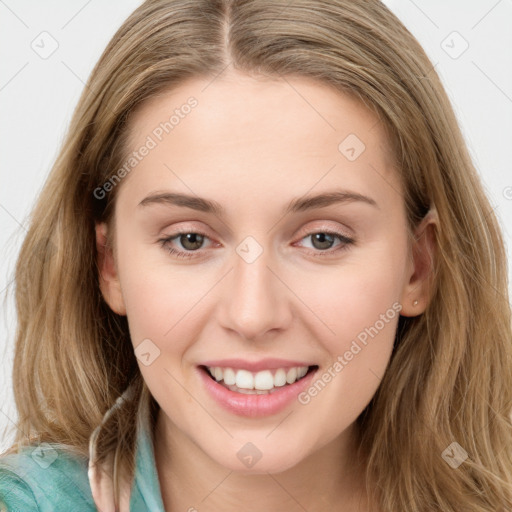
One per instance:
(47, 478)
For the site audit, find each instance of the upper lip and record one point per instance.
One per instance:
(255, 366)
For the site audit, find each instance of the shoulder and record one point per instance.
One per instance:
(44, 478)
(15, 494)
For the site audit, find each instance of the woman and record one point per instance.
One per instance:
(263, 274)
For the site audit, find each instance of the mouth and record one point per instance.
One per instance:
(263, 382)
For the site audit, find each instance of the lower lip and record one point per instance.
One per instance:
(255, 406)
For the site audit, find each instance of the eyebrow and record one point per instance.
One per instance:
(299, 204)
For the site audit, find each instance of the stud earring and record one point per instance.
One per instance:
(415, 303)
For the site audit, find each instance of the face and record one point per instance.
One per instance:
(284, 269)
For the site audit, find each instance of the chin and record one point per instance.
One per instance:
(249, 459)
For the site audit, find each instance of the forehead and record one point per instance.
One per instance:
(254, 104)
(259, 131)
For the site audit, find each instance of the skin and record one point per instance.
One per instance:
(253, 145)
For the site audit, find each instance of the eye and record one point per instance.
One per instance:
(323, 241)
(191, 241)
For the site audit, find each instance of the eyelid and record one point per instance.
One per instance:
(305, 232)
(180, 231)
(324, 228)
(345, 243)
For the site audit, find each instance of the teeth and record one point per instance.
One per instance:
(291, 375)
(244, 379)
(263, 381)
(280, 377)
(229, 376)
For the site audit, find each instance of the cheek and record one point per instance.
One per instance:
(158, 296)
(162, 304)
(358, 355)
(360, 306)
(355, 297)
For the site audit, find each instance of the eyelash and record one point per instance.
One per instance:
(346, 242)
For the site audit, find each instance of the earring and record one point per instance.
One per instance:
(415, 303)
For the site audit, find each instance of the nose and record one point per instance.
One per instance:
(255, 298)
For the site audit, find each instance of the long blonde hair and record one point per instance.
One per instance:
(449, 379)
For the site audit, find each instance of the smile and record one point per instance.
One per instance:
(262, 382)
(255, 389)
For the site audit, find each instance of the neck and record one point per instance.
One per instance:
(329, 479)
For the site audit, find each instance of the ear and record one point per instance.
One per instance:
(108, 277)
(417, 290)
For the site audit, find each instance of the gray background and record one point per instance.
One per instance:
(38, 93)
